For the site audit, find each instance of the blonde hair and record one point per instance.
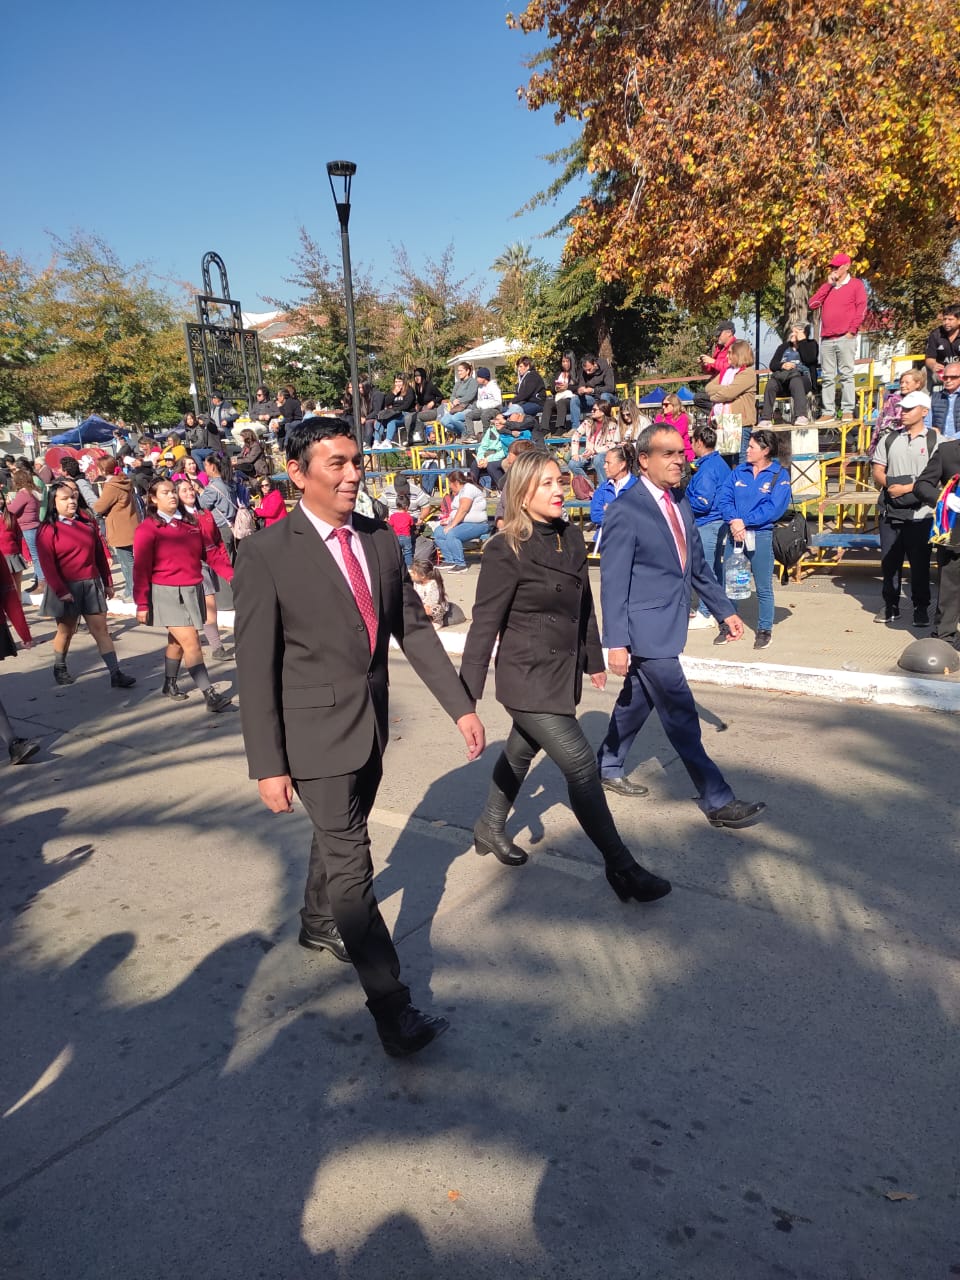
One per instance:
(525, 472)
(918, 377)
(740, 353)
(673, 400)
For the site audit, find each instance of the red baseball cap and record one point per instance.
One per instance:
(840, 260)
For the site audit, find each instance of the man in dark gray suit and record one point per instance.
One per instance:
(318, 596)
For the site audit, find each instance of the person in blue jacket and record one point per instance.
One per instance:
(620, 465)
(710, 472)
(755, 495)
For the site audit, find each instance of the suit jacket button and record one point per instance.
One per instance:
(559, 587)
(553, 651)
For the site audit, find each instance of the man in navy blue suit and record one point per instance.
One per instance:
(650, 557)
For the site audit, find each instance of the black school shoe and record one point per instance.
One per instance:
(21, 749)
(738, 813)
(409, 1031)
(763, 639)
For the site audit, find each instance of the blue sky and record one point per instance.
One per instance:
(175, 128)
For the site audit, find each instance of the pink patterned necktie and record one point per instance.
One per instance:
(678, 534)
(358, 584)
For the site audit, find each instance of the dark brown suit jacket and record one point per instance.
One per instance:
(312, 697)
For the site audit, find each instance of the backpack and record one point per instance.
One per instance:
(581, 486)
(790, 542)
(244, 523)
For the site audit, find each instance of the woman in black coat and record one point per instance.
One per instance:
(534, 594)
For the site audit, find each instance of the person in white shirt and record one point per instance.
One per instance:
(489, 399)
(467, 520)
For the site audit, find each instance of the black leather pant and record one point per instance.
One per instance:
(565, 743)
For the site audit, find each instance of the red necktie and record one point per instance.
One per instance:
(358, 584)
(677, 527)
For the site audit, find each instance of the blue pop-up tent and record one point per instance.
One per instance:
(92, 430)
(685, 395)
(656, 396)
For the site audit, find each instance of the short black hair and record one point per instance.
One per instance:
(706, 434)
(767, 439)
(310, 431)
(70, 467)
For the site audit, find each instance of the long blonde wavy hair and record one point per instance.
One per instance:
(522, 478)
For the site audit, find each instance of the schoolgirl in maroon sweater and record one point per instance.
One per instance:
(74, 563)
(168, 548)
(13, 550)
(216, 567)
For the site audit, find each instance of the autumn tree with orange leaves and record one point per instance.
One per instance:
(726, 137)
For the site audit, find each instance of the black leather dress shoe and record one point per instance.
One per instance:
(624, 787)
(636, 882)
(409, 1031)
(486, 840)
(327, 939)
(738, 813)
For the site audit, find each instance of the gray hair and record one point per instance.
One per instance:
(644, 441)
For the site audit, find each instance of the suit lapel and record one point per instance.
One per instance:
(321, 556)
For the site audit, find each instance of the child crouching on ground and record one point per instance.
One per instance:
(428, 583)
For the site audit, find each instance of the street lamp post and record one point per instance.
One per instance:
(345, 169)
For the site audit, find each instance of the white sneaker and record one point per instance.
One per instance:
(698, 622)
(802, 422)
(765, 422)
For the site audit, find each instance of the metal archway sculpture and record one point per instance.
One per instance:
(222, 354)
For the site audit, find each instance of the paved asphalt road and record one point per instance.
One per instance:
(727, 1085)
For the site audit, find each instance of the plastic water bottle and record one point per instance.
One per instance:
(737, 579)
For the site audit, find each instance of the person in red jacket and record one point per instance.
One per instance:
(11, 606)
(167, 588)
(79, 583)
(18, 749)
(14, 554)
(272, 507)
(216, 567)
(842, 303)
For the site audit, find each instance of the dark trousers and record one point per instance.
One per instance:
(340, 880)
(496, 472)
(565, 743)
(900, 540)
(659, 684)
(786, 382)
(947, 617)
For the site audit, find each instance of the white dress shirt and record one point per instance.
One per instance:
(327, 533)
(657, 494)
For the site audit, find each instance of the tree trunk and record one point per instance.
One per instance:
(601, 324)
(796, 297)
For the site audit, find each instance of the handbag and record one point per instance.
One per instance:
(729, 428)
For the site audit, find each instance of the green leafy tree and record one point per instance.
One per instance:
(24, 339)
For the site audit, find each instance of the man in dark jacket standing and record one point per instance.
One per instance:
(318, 597)
(943, 466)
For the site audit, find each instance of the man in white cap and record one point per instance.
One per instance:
(905, 520)
(842, 303)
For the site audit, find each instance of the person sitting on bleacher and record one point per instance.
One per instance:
(463, 395)
(397, 403)
(467, 521)
(596, 382)
(945, 404)
(489, 450)
(672, 415)
(564, 402)
(530, 393)
(888, 419)
(597, 434)
(427, 398)
(488, 401)
(793, 372)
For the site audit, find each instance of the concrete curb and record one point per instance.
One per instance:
(931, 693)
(934, 693)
